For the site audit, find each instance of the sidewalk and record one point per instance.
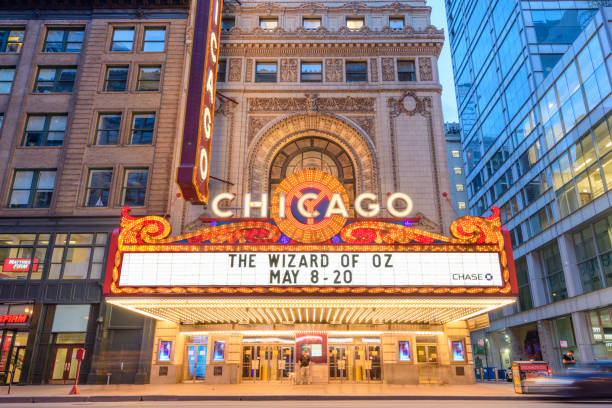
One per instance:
(257, 391)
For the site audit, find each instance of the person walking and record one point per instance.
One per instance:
(305, 367)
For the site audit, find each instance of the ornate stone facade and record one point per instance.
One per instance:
(235, 70)
(334, 70)
(388, 69)
(425, 69)
(289, 70)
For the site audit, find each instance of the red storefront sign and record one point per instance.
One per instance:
(14, 319)
(534, 367)
(194, 167)
(19, 264)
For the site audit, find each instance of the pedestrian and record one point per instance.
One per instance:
(568, 359)
(305, 367)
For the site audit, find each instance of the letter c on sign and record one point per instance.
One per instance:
(399, 196)
(207, 123)
(215, 205)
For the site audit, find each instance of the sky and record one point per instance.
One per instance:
(445, 66)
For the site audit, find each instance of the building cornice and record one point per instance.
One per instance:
(92, 4)
(355, 7)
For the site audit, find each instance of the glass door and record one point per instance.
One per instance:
(338, 369)
(251, 367)
(286, 362)
(65, 364)
(196, 361)
(267, 362)
(374, 365)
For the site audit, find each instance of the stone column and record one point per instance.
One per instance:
(582, 333)
(536, 279)
(547, 343)
(570, 269)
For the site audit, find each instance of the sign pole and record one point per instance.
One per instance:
(80, 355)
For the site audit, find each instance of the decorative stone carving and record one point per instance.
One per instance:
(235, 70)
(249, 71)
(224, 107)
(256, 123)
(289, 70)
(425, 69)
(374, 69)
(410, 104)
(334, 70)
(312, 103)
(388, 69)
(366, 123)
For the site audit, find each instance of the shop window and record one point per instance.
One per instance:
(406, 71)
(311, 71)
(134, 188)
(396, 23)
(265, 71)
(98, 187)
(116, 78)
(356, 71)
(11, 39)
(22, 256)
(7, 74)
(55, 79)
(64, 40)
(268, 23)
(107, 129)
(32, 189)
(149, 78)
(311, 23)
(44, 130)
(565, 336)
(355, 23)
(553, 273)
(123, 39)
(601, 333)
(221, 70)
(227, 23)
(143, 125)
(78, 256)
(154, 39)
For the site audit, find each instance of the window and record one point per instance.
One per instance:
(549, 61)
(134, 187)
(522, 278)
(107, 129)
(461, 205)
(559, 26)
(355, 23)
(268, 23)
(148, 78)
(601, 331)
(123, 39)
(55, 79)
(1, 120)
(586, 257)
(356, 71)
(311, 23)
(143, 125)
(459, 187)
(23, 254)
(406, 71)
(32, 189)
(154, 39)
(265, 72)
(396, 23)
(7, 74)
(98, 187)
(312, 71)
(455, 153)
(44, 130)
(116, 79)
(78, 256)
(221, 70)
(227, 23)
(11, 39)
(553, 273)
(458, 170)
(64, 40)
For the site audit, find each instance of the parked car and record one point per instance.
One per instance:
(591, 379)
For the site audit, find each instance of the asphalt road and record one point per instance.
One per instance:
(326, 404)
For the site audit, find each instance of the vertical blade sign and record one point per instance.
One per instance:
(194, 168)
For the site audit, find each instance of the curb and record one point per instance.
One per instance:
(151, 398)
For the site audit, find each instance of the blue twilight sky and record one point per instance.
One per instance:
(445, 65)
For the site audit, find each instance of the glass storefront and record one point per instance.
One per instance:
(601, 333)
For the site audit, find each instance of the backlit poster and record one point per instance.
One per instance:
(404, 351)
(458, 350)
(219, 351)
(165, 348)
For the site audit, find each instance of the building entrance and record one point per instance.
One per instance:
(355, 362)
(12, 356)
(64, 364)
(268, 362)
(196, 360)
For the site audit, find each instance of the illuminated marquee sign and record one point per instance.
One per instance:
(14, 319)
(303, 249)
(194, 167)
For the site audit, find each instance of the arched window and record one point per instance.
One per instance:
(314, 153)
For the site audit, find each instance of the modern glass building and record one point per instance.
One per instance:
(533, 91)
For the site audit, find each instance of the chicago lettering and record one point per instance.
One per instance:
(366, 205)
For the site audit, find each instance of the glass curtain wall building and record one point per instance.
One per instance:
(533, 91)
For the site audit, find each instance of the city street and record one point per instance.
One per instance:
(325, 404)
